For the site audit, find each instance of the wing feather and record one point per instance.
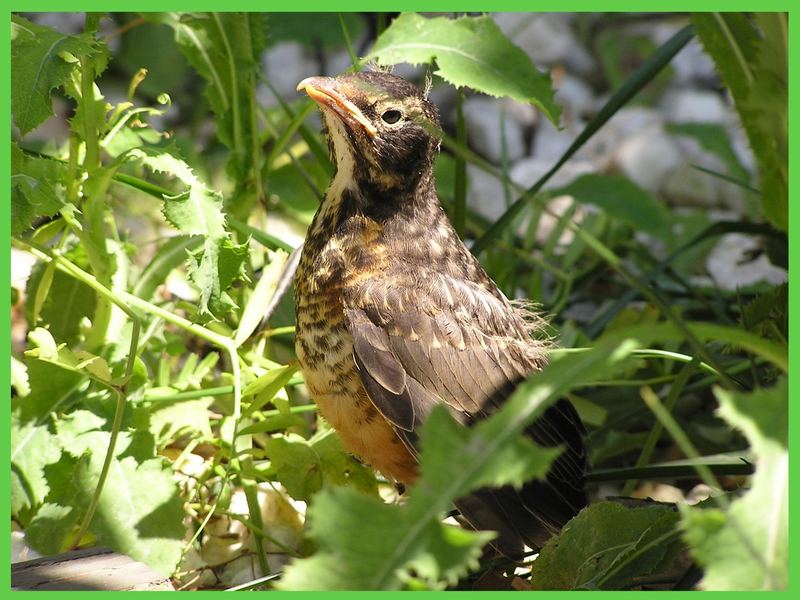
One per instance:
(422, 341)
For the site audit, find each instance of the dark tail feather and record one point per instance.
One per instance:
(533, 514)
(526, 517)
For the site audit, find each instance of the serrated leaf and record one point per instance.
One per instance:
(454, 461)
(225, 48)
(38, 66)
(212, 269)
(621, 199)
(33, 447)
(36, 189)
(170, 256)
(747, 547)
(591, 550)
(754, 66)
(198, 212)
(468, 51)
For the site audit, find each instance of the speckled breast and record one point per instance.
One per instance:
(325, 351)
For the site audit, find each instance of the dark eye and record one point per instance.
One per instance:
(391, 116)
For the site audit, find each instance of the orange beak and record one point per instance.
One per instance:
(325, 92)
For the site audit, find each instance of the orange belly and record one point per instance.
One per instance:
(364, 431)
(325, 352)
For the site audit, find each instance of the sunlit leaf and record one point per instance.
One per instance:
(747, 547)
(468, 51)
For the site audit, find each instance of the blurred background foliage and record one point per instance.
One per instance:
(627, 173)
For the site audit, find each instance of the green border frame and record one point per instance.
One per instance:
(444, 6)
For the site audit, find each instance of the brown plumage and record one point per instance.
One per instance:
(395, 316)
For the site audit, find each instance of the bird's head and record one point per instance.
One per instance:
(380, 128)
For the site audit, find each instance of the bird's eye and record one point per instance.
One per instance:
(391, 116)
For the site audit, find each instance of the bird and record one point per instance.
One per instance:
(395, 316)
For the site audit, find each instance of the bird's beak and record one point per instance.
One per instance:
(325, 91)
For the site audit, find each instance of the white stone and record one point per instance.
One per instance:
(602, 147)
(727, 267)
(689, 106)
(550, 143)
(485, 193)
(575, 95)
(648, 157)
(546, 37)
(484, 117)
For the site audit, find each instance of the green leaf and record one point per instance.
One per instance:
(170, 420)
(213, 268)
(468, 51)
(65, 307)
(767, 315)
(19, 377)
(33, 447)
(621, 199)
(51, 388)
(454, 461)
(266, 386)
(42, 59)
(607, 546)
(36, 189)
(169, 257)
(303, 466)
(751, 54)
(49, 530)
(80, 362)
(198, 212)
(140, 511)
(747, 547)
(225, 48)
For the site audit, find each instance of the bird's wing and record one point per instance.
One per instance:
(423, 339)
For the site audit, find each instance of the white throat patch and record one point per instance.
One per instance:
(345, 161)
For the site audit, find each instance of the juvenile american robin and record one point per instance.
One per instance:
(395, 316)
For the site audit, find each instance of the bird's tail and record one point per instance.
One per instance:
(531, 515)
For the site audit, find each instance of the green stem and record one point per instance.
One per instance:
(683, 441)
(655, 432)
(70, 269)
(128, 302)
(238, 144)
(346, 35)
(706, 475)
